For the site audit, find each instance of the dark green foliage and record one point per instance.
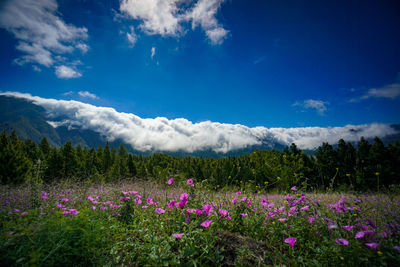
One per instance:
(365, 167)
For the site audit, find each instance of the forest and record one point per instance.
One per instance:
(345, 167)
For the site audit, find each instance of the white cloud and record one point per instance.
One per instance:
(391, 91)
(158, 16)
(203, 14)
(87, 94)
(131, 36)
(318, 105)
(65, 72)
(68, 93)
(162, 134)
(165, 17)
(83, 47)
(42, 35)
(153, 52)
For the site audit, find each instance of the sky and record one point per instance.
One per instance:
(275, 64)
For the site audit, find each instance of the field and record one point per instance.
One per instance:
(183, 223)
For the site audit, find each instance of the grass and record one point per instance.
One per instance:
(136, 224)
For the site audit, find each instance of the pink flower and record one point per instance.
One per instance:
(159, 211)
(44, 197)
(44, 193)
(189, 181)
(138, 201)
(305, 208)
(206, 223)
(124, 198)
(199, 212)
(294, 188)
(171, 204)
(170, 181)
(244, 214)
(93, 207)
(184, 196)
(238, 193)
(145, 207)
(291, 241)
(234, 201)
(348, 228)
(342, 241)
(361, 234)
(282, 219)
(372, 245)
(224, 213)
(311, 219)
(65, 200)
(207, 209)
(178, 236)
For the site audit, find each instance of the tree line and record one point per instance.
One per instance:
(366, 166)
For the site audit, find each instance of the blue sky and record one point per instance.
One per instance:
(255, 63)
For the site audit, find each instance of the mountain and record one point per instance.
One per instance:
(34, 122)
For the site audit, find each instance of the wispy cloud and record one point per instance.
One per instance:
(87, 94)
(318, 105)
(391, 91)
(162, 134)
(166, 17)
(131, 36)
(41, 33)
(153, 52)
(65, 72)
(68, 93)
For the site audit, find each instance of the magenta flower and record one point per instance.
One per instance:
(361, 234)
(159, 210)
(65, 200)
(184, 196)
(348, 228)
(44, 193)
(291, 241)
(294, 188)
(189, 181)
(238, 193)
(305, 208)
(243, 214)
(282, 219)
(178, 236)
(207, 209)
(234, 201)
(223, 212)
(372, 245)
(170, 181)
(311, 219)
(44, 197)
(206, 223)
(199, 212)
(342, 241)
(124, 198)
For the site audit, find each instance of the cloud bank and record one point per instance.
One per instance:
(168, 17)
(42, 35)
(162, 134)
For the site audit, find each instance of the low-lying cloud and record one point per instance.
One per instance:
(162, 134)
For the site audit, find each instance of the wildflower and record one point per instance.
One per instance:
(372, 245)
(171, 204)
(159, 211)
(396, 248)
(361, 234)
(332, 226)
(348, 228)
(243, 214)
(138, 201)
(65, 200)
(282, 219)
(206, 223)
(184, 196)
(44, 197)
(24, 213)
(190, 182)
(60, 206)
(144, 207)
(178, 236)
(234, 201)
(342, 241)
(114, 206)
(311, 219)
(278, 178)
(199, 212)
(124, 198)
(44, 193)
(93, 207)
(291, 241)
(238, 193)
(294, 188)
(379, 253)
(305, 208)
(224, 213)
(207, 209)
(170, 181)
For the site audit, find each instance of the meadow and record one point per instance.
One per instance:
(185, 223)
